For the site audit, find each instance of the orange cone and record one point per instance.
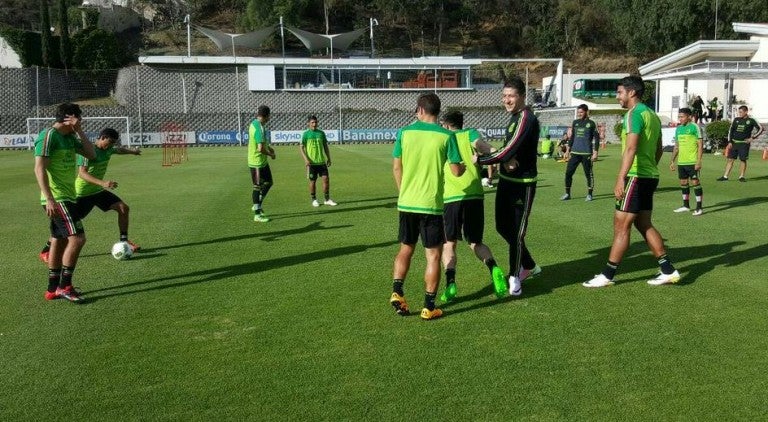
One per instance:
(765, 153)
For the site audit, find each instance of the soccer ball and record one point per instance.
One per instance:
(121, 251)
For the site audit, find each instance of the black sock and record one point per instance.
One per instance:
(327, 196)
(429, 300)
(450, 275)
(666, 265)
(568, 190)
(610, 270)
(47, 246)
(397, 287)
(66, 276)
(54, 275)
(589, 191)
(255, 197)
(314, 196)
(123, 236)
(490, 263)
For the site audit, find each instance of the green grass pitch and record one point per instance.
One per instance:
(222, 318)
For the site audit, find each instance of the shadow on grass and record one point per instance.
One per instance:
(268, 237)
(324, 209)
(637, 258)
(734, 203)
(221, 273)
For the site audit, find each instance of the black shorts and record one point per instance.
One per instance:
(638, 195)
(316, 170)
(428, 226)
(740, 150)
(261, 176)
(67, 221)
(687, 172)
(104, 200)
(466, 216)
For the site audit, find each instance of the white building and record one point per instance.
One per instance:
(727, 69)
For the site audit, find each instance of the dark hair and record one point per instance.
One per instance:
(745, 108)
(685, 110)
(312, 117)
(67, 109)
(110, 133)
(262, 111)
(633, 83)
(583, 107)
(515, 83)
(430, 103)
(454, 118)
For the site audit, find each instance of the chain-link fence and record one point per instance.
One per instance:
(206, 99)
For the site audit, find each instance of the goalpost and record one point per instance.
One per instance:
(91, 126)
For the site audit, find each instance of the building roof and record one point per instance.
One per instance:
(713, 59)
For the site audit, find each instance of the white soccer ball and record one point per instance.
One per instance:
(121, 251)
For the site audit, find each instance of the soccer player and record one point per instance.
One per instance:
(259, 150)
(420, 153)
(517, 182)
(686, 156)
(317, 158)
(90, 185)
(583, 144)
(56, 149)
(464, 211)
(740, 136)
(636, 181)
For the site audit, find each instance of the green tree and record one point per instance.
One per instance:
(96, 49)
(65, 47)
(45, 33)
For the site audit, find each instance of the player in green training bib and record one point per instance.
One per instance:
(464, 211)
(91, 187)
(421, 150)
(317, 159)
(635, 184)
(259, 150)
(686, 156)
(56, 149)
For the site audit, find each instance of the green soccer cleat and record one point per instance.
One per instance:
(449, 293)
(261, 218)
(499, 282)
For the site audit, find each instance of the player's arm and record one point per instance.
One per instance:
(303, 150)
(595, 140)
(659, 147)
(82, 171)
(673, 162)
(699, 153)
(627, 158)
(397, 171)
(454, 157)
(124, 150)
(41, 174)
(760, 131)
(85, 148)
(731, 130)
(265, 149)
(327, 151)
(513, 142)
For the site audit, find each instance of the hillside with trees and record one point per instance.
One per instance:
(593, 35)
